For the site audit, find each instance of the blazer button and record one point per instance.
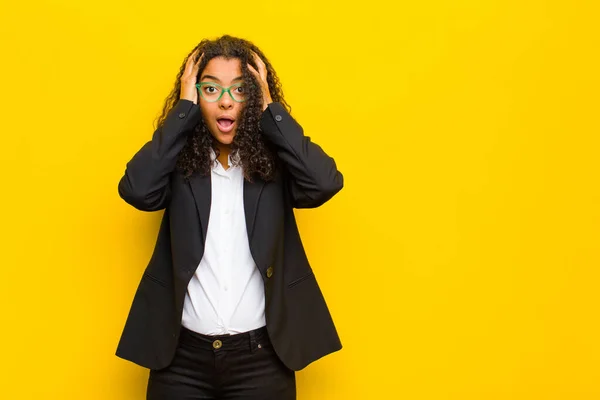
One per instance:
(181, 115)
(269, 272)
(278, 118)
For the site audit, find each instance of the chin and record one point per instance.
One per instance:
(224, 138)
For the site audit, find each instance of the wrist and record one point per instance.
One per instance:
(266, 103)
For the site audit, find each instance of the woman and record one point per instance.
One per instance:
(228, 306)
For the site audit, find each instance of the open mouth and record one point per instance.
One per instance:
(225, 124)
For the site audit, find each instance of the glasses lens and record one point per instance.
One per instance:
(238, 92)
(210, 91)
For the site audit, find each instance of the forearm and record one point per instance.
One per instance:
(314, 174)
(145, 184)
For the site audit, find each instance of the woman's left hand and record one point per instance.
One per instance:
(261, 76)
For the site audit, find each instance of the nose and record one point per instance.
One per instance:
(225, 102)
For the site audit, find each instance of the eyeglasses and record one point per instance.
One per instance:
(212, 92)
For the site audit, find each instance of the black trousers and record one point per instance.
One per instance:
(240, 366)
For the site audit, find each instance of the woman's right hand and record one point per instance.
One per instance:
(188, 79)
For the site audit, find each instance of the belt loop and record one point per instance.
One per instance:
(252, 336)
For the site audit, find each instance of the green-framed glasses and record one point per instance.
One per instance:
(212, 92)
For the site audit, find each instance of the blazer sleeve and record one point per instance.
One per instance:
(313, 175)
(146, 182)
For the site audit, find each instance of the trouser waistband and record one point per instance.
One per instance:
(253, 339)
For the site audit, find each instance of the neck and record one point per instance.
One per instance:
(224, 151)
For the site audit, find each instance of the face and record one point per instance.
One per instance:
(221, 117)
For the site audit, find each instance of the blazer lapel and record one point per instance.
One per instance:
(252, 191)
(201, 190)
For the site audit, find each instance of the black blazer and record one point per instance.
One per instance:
(298, 320)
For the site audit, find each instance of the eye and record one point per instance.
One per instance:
(208, 88)
(240, 89)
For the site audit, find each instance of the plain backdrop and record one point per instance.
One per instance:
(460, 261)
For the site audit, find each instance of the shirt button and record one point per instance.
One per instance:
(226, 288)
(181, 115)
(278, 118)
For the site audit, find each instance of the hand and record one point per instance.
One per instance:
(189, 78)
(261, 76)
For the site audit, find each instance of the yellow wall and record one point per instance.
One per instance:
(460, 261)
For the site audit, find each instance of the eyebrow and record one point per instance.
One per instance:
(217, 79)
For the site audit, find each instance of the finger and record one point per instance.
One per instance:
(190, 59)
(261, 82)
(262, 68)
(254, 72)
(258, 60)
(190, 62)
(197, 64)
(199, 58)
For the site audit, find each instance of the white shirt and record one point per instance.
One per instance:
(226, 293)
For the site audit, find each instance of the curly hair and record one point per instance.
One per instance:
(256, 155)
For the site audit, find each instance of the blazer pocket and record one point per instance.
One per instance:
(301, 279)
(154, 279)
